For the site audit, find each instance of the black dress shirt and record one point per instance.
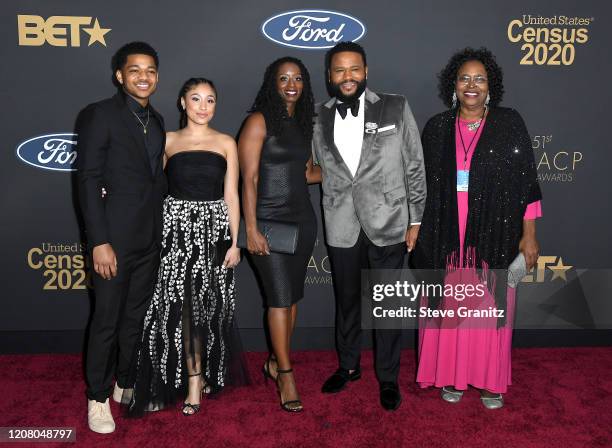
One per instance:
(153, 138)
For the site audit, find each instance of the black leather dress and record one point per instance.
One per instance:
(282, 194)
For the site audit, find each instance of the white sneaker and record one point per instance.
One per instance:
(99, 417)
(122, 395)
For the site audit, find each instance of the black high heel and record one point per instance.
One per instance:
(284, 404)
(265, 369)
(195, 407)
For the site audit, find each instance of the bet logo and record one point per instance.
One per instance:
(547, 263)
(59, 31)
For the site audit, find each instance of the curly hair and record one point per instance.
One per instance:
(187, 86)
(448, 76)
(273, 108)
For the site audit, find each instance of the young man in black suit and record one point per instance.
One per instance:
(121, 187)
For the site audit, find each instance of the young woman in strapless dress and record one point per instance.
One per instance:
(186, 341)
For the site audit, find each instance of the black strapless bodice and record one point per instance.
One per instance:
(196, 175)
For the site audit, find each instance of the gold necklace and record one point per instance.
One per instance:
(144, 125)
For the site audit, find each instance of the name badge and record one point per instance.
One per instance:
(463, 180)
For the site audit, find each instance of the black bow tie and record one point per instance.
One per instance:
(344, 107)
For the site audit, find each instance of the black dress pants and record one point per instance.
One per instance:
(116, 325)
(347, 264)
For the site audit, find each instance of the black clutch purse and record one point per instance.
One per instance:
(282, 236)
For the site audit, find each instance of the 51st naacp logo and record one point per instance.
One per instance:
(59, 31)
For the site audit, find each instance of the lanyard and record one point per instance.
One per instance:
(467, 151)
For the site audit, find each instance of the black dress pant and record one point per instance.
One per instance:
(116, 325)
(347, 264)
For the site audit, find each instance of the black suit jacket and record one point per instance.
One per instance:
(112, 155)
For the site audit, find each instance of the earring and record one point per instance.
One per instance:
(487, 100)
(454, 100)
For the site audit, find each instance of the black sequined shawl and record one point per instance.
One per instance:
(503, 181)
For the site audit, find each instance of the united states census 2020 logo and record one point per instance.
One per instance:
(312, 29)
(55, 152)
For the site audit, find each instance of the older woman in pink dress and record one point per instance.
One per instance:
(482, 204)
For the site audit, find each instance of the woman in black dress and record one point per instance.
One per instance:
(276, 166)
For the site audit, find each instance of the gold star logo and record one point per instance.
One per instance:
(96, 34)
(559, 270)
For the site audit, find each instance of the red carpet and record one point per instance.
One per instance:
(560, 398)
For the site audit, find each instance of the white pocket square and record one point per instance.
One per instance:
(386, 128)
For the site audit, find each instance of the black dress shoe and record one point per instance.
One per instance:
(390, 397)
(338, 380)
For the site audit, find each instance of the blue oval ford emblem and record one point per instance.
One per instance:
(50, 152)
(312, 29)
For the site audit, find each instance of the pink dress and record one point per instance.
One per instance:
(476, 355)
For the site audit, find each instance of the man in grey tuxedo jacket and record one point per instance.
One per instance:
(368, 147)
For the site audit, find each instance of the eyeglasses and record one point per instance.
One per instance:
(467, 80)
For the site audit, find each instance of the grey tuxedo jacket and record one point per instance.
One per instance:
(388, 191)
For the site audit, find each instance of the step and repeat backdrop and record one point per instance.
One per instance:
(56, 59)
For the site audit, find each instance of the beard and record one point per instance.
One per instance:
(335, 90)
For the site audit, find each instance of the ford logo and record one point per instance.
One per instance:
(55, 152)
(312, 29)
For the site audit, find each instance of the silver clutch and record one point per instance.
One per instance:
(517, 270)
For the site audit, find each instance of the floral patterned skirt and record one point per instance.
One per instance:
(191, 313)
